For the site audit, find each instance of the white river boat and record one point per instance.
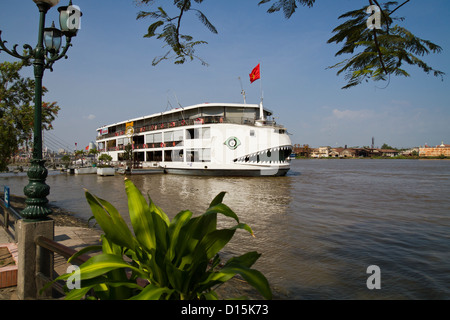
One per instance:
(214, 139)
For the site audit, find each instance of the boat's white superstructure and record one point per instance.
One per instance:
(204, 139)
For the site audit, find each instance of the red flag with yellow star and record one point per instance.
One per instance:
(255, 75)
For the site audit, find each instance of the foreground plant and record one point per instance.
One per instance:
(178, 259)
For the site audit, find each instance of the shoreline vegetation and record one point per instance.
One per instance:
(236, 287)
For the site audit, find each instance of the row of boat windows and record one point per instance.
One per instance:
(178, 135)
(191, 155)
(169, 138)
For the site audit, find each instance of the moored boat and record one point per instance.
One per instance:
(205, 139)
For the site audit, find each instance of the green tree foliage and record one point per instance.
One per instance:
(378, 54)
(287, 6)
(386, 146)
(17, 112)
(104, 157)
(181, 44)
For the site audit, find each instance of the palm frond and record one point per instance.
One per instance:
(378, 53)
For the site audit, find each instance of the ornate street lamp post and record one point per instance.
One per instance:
(43, 57)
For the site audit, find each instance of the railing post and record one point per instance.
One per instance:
(33, 260)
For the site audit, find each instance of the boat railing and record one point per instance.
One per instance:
(182, 123)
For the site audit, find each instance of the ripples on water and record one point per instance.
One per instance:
(318, 228)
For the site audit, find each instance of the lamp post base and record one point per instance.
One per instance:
(36, 192)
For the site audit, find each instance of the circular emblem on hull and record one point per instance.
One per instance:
(232, 143)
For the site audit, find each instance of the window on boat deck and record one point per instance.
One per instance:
(198, 133)
(139, 140)
(168, 136)
(241, 115)
(157, 137)
(213, 114)
(154, 156)
(178, 135)
(198, 155)
(173, 155)
(111, 143)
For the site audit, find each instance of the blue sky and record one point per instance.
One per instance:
(109, 77)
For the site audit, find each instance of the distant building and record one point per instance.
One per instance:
(410, 152)
(324, 152)
(387, 152)
(439, 150)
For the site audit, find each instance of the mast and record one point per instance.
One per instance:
(261, 111)
(242, 90)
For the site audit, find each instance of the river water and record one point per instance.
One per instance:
(319, 228)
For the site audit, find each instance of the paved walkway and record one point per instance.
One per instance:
(4, 236)
(72, 237)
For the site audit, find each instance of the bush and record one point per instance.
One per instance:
(178, 258)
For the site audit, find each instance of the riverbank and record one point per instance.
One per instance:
(375, 157)
(76, 233)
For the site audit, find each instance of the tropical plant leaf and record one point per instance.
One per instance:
(254, 277)
(83, 251)
(101, 264)
(174, 230)
(77, 294)
(152, 292)
(212, 243)
(141, 218)
(217, 199)
(110, 221)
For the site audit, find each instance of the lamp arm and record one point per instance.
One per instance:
(26, 57)
(55, 56)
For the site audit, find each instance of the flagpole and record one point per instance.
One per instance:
(261, 108)
(260, 82)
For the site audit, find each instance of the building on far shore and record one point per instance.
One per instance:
(325, 152)
(442, 150)
(437, 151)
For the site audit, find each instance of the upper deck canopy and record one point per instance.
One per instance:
(199, 110)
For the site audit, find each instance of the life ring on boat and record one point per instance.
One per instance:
(163, 144)
(183, 122)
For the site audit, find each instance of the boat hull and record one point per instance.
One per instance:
(228, 172)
